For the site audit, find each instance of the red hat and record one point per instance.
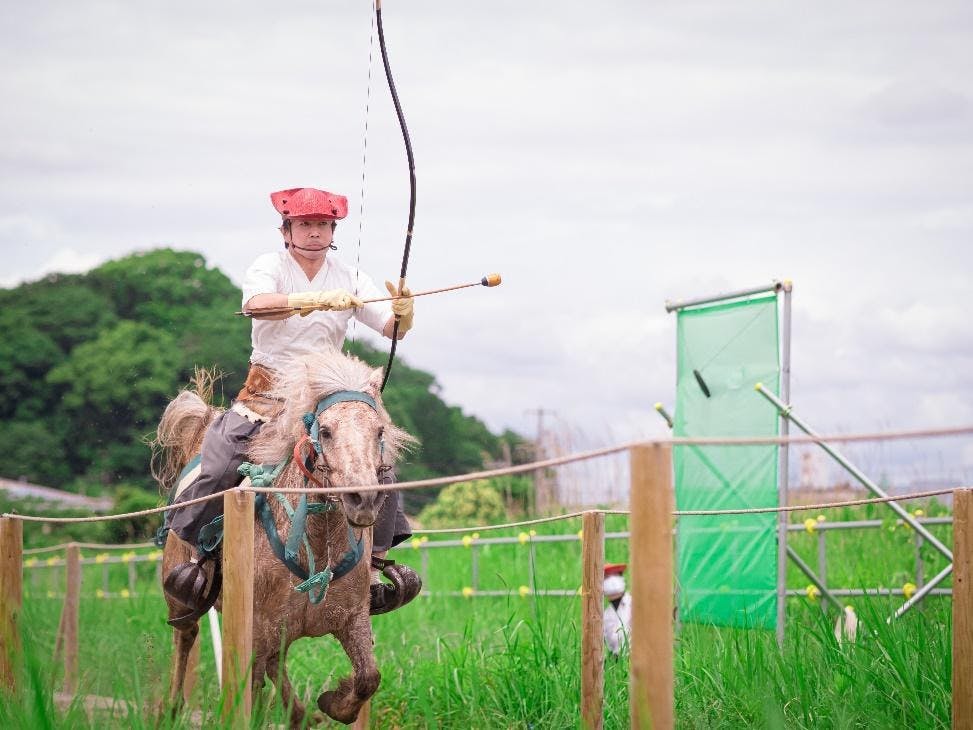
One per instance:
(299, 203)
(615, 568)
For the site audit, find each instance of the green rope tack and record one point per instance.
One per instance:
(262, 475)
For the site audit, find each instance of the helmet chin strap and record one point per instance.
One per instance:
(301, 248)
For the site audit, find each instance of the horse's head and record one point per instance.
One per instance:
(335, 401)
(348, 432)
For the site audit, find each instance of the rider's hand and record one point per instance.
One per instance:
(332, 299)
(402, 308)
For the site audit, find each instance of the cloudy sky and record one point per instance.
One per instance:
(603, 157)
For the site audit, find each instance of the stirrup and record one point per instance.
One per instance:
(186, 583)
(406, 585)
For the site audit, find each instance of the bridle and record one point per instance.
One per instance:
(317, 460)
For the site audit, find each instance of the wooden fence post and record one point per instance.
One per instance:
(11, 596)
(238, 527)
(963, 609)
(69, 617)
(651, 688)
(361, 722)
(592, 620)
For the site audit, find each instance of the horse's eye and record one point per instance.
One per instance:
(324, 432)
(381, 431)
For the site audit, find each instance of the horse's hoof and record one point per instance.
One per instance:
(327, 703)
(406, 585)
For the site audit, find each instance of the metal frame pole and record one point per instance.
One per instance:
(783, 465)
(775, 286)
(787, 412)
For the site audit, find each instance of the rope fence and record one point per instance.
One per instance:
(568, 459)
(651, 550)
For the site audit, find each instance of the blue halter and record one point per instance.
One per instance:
(341, 396)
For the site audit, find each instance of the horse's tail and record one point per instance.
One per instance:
(180, 432)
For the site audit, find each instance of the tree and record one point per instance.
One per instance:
(464, 504)
(113, 389)
(163, 287)
(26, 355)
(33, 451)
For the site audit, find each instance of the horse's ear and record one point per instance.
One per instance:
(374, 386)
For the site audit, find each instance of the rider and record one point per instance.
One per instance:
(303, 275)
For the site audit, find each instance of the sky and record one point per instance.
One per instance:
(603, 157)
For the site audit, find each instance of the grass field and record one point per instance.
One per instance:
(483, 662)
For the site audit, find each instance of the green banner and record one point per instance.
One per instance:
(727, 564)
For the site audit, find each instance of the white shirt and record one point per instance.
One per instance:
(618, 624)
(276, 341)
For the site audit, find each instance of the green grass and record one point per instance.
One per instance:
(486, 662)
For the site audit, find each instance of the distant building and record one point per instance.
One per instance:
(26, 490)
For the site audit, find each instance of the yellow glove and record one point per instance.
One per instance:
(333, 299)
(402, 308)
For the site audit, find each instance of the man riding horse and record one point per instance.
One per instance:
(330, 293)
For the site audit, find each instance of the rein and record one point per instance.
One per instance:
(314, 583)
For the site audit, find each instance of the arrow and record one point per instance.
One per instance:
(490, 280)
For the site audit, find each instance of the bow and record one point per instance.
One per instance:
(412, 180)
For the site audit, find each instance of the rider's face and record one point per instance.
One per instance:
(311, 238)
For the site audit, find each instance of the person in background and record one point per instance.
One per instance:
(618, 613)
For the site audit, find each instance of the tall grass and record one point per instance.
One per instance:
(484, 662)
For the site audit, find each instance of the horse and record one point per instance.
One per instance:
(356, 438)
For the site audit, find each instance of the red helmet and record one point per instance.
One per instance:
(300, 203)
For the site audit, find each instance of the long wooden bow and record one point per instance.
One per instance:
(412, 181)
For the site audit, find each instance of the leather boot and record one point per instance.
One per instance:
(405, 586)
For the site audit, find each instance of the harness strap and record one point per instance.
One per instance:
(287, 554)
(305, 464)
(341, 396)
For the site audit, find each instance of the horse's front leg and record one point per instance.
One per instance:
(342, 704)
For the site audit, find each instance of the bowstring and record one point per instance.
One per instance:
(364, 160)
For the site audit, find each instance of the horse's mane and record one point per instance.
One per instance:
(305, 381)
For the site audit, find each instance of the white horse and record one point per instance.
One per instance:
(356, 438)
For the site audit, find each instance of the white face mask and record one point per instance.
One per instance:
(614, 587)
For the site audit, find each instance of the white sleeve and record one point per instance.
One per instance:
(262, 277)
(376, 314)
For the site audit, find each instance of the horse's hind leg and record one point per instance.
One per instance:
(277, 671)
(183, 641)
(343, 703)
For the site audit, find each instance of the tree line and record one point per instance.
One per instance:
(89, 361)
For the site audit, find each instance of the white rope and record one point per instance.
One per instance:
(558, 461)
